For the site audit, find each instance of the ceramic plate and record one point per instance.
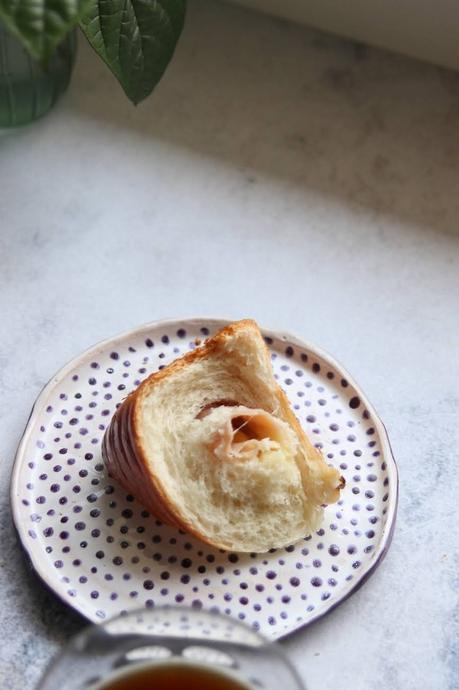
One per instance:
(102, 553)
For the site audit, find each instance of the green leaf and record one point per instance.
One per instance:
(136, 38)
(41, 25)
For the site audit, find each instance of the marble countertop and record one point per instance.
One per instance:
(277, 173)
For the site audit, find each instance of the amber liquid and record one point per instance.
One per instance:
(173, 677)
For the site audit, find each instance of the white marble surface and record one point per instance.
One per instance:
(277, 173)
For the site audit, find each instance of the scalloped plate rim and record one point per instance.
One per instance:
(386, 537)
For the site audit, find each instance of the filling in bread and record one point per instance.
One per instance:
(249, 434)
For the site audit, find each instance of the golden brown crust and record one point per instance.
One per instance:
(122, 449)
(212, 344)
(125, 463)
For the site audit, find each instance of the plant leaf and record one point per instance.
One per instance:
(41, 25)
(136, 38)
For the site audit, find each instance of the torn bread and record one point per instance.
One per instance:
(210, 445)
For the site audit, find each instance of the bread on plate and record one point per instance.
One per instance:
(209, 444)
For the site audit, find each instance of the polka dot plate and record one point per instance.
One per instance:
(102, 553)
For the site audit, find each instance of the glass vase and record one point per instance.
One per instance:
(29, 89)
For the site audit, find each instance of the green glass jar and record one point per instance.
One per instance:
(28, 89)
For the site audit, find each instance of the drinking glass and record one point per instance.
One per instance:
(148, 637)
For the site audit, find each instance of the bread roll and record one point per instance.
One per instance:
(210, 445)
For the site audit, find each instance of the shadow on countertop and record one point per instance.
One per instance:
(359, 125)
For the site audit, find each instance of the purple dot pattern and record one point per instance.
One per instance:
(101, 551)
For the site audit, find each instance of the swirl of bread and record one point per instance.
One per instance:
(209, 444)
